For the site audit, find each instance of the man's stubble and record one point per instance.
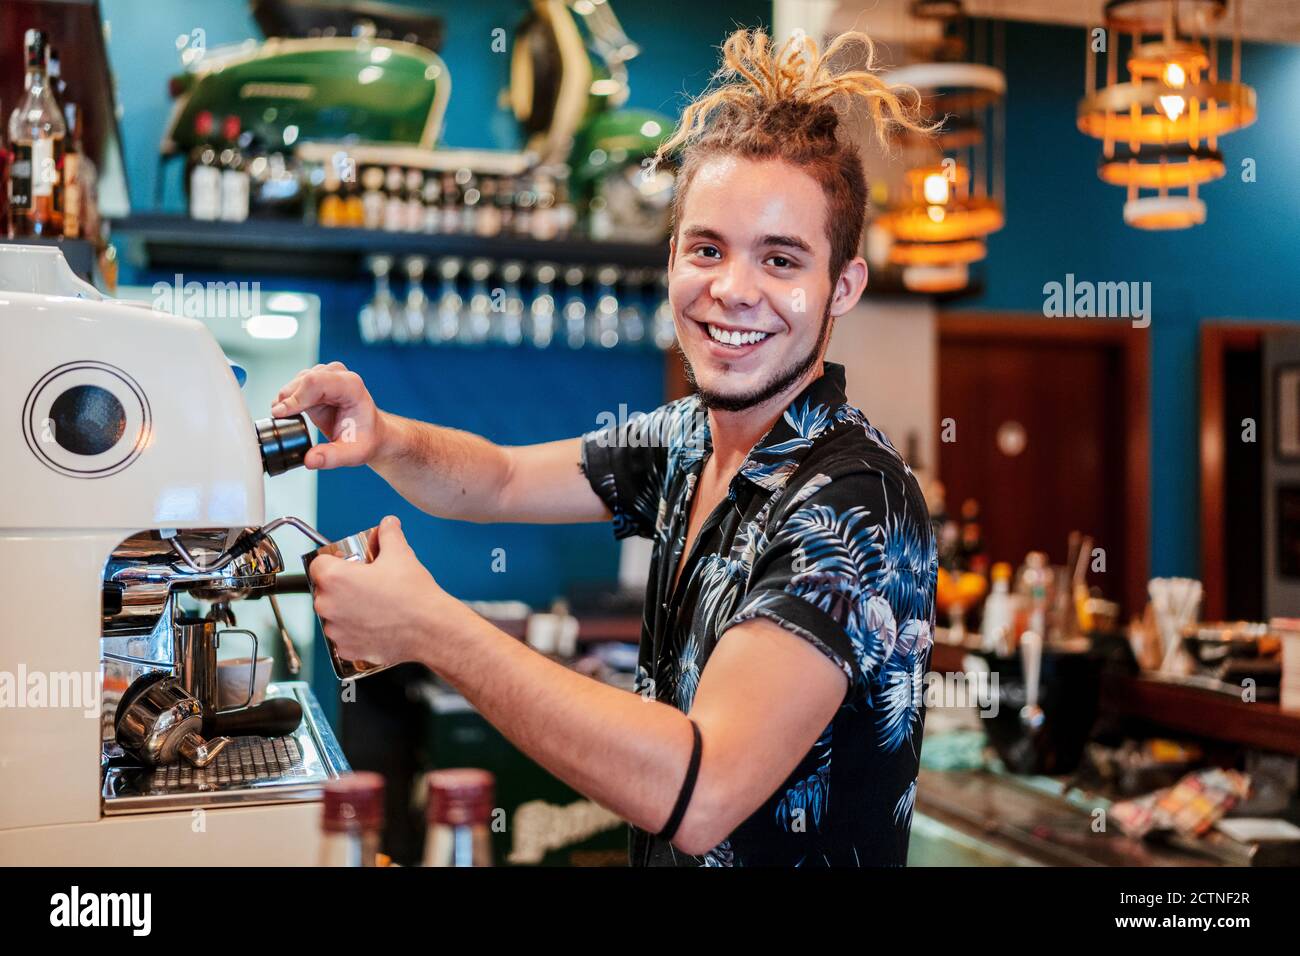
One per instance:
(774, 387)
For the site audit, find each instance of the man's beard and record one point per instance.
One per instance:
(774, 387)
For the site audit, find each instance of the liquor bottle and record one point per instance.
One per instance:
(469, 201)
(394, 201)
(329, 212)
(450, 203)
(234, 174)
(414, 200)
(489, 214)
(36, 132)
(459, 811)
(372, 197)
(521, 224)
(354, 210)
(352, 820)
(999, 615)
(564, 213)
(205, 173)
(505, 205)
(545, 220)
(73, 193)
(432, 203)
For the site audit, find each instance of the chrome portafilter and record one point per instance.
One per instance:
(159, 722)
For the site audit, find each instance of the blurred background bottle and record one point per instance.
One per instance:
(352, 820)
(36, 134)
(459, 811)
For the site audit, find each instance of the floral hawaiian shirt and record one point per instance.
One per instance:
(825, 532)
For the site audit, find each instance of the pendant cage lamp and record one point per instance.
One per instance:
(1160, 125)
(945, 195)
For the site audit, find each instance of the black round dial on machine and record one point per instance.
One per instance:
(87, 419)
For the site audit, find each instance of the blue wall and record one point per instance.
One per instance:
(508, 396)
(1243, 263)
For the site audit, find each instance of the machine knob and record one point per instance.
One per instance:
(284, 442)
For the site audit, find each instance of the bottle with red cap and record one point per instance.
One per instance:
(235, 185)
(459, 811)
(352, 820)
(205, 172)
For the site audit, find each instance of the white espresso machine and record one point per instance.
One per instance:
(131, 477)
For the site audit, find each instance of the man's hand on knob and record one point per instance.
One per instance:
(338, 403)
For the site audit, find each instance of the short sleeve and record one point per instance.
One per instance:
(626, 464)
(849, 566)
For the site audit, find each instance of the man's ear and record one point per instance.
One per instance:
(850, 286)
(672, 251)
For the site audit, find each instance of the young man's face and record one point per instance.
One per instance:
(751, 257)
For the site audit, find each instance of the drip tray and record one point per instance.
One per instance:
(251, 770)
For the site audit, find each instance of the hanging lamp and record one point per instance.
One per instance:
(1160, 127)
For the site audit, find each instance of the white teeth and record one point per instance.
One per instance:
(735, 337)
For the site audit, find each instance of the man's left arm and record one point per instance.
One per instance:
(764, 698)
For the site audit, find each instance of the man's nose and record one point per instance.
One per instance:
(735, 284)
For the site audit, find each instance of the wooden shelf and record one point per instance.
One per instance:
(1203, 713)
(161, 241)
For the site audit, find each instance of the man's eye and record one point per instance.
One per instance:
(781, 262)
(707, 249)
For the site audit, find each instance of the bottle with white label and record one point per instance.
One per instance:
(432, 195)
(414, 200)
(205, 173)
(395, 201)
(36, 134)
(372, 197)
(234, 174)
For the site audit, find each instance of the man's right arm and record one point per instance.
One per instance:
(443, 471)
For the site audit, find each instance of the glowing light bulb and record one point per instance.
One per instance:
(1174, 76)
(936, 213)
(935, 189)
(1172, 106)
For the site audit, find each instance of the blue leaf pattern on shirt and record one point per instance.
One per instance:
(902, 685)
(809, 797)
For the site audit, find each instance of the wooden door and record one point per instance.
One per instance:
(1045, 434)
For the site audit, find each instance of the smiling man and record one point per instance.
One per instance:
(790, 604)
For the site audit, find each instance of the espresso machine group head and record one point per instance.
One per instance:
(136, 476)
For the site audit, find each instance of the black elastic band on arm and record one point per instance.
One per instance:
(688, 787)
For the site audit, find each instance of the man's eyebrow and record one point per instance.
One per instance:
(793, 242)
(702, 232)
(790, 242)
